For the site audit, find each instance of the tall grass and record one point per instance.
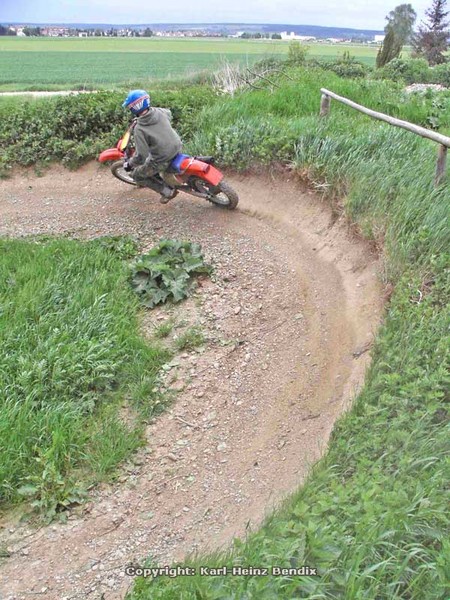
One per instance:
(299, 96)
(373, 514)
(71, 359)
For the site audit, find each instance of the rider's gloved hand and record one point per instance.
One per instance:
(127, 166)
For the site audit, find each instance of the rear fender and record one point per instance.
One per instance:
(111, 154)
(200, 169)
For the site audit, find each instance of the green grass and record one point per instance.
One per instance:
(176, 45)
(50, 63)
(71, 360)
(165, 329)
(373, 514)
(91, 69)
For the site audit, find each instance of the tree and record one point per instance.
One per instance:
(402, 20)
(389, 50)
(32, 31)
(432, 38)
(399, 29)
(147, 32)
(276, 36)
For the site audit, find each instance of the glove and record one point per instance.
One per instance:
(127, 166)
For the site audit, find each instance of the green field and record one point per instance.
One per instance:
(40, 63)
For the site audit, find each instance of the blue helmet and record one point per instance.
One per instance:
(137, 101)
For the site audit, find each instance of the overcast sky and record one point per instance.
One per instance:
(359, 14)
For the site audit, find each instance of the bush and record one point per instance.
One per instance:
(441, 74)
(297, 53)
(352, 70)
(74, 129)
(345, 66)
(265, 64)
(413, 70)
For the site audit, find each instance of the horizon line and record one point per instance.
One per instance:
(173, 23)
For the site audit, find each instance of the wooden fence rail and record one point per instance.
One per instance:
(442, 140)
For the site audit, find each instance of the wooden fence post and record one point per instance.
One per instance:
(441, 164)
(325, 105)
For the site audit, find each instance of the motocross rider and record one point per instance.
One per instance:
(156, 142)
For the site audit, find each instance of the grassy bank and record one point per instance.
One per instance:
(259, 126)
(372, 516)
(71, 362)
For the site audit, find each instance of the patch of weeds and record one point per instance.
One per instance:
(125, 247)
(165, 329)
(68, 326)
(190, 339)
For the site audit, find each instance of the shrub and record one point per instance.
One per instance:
(265, 64)
(441, 74)
(74, 129)
(297, 53)
(413, 70)
(352, 69)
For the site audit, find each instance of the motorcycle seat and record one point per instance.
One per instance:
(175, 165)
(210, 160)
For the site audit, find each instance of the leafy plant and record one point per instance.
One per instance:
(49, 491)
(167, 272)
(413, 70)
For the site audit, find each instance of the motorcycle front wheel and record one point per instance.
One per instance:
(222, 195)
(118, 171)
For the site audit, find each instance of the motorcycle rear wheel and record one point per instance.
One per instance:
(222, 195)
(118, 171)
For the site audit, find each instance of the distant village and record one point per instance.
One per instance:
(55, 31)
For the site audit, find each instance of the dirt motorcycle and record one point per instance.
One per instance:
(195, 175)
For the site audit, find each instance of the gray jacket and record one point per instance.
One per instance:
(155, 139)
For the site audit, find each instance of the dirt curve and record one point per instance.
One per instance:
(301, 296)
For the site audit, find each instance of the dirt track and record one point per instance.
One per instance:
(303, 299)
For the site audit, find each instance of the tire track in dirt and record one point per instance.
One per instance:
(302, 298)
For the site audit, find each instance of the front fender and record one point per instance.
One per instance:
(111, 154)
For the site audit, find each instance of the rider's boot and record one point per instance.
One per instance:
(167, 193)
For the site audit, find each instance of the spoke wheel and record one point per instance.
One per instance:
(221, 195)
(118, 171)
